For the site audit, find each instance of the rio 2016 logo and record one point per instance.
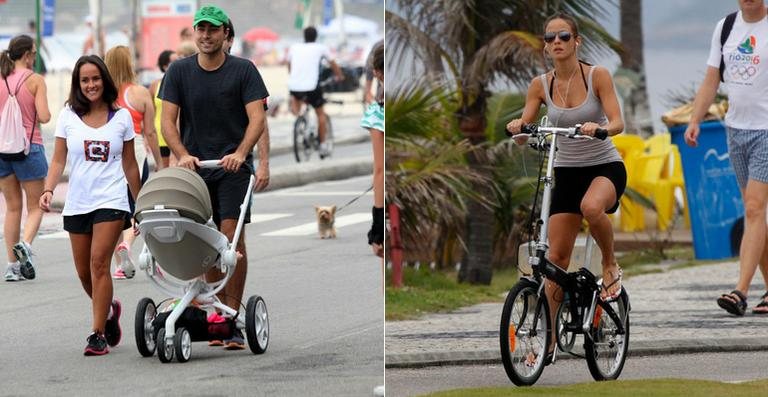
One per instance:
(748, 46)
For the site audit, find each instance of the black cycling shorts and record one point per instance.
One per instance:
(571, 184)
(314, 98)
(83, 223)
(227, 193)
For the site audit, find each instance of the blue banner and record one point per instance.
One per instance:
(48, 16)
(327, 11)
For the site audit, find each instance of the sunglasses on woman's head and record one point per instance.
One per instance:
(563, 35)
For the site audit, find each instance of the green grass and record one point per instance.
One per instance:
(429, 291)
(654, 387)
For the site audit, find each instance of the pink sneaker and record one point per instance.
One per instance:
(126, 267)
(119, 274)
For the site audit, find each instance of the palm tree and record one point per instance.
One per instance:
(473, 44)
(427, 173)
(637, 112)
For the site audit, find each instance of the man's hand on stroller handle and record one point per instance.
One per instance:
(230, 162)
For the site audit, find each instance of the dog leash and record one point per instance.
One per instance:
(354, 199)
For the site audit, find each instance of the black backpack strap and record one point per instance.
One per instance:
(724, 33)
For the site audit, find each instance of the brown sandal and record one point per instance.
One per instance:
(762, 307)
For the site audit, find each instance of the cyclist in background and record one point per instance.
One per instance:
(304, 66)
(590, 174)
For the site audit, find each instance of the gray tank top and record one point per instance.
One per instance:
(580, 152)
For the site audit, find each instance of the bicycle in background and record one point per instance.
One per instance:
(306, 137)
(525, 329)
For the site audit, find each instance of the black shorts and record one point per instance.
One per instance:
(83, 223)
(314, 98)
(571, 184)
(227, 193)
(165, 151)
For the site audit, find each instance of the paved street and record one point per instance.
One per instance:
(324, 298)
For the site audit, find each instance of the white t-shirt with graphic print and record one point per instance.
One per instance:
(746, 76)
(95, 158)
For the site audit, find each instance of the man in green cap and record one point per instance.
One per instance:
(220, 103)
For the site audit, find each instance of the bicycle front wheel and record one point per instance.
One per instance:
(605, 348)
(302, 148)
(523, 344)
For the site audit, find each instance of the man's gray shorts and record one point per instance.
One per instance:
(748, 150)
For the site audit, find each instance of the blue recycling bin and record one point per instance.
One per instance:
(714, 198)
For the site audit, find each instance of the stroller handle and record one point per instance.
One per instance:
(212, 164)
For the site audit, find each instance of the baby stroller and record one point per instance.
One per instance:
(181, 244)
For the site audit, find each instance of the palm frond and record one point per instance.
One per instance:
(419, 109)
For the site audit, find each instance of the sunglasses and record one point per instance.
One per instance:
(564, 36)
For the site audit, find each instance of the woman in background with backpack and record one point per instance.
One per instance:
(28, 174)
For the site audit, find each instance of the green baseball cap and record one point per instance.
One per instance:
(215, 15)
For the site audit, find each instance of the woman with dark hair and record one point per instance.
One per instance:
(96, 138)
(590, 175)
(23, 175)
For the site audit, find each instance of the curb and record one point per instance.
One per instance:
(637, 349)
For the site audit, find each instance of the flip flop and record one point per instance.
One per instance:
(607, 287)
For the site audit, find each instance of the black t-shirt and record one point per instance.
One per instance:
(211, 104)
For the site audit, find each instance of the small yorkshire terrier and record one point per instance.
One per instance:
(326, 216)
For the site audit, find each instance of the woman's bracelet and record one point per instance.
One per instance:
(48, 190)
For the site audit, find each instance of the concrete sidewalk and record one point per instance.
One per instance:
(672, 313)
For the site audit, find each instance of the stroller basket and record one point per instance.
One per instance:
(195, 321)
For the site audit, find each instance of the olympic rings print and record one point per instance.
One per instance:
(742, 71)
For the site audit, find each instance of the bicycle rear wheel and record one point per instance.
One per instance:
(606, 350)
(523, 347)
(302, 147)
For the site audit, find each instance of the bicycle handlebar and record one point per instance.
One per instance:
(533, 129)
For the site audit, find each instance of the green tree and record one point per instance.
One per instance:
(473, 44)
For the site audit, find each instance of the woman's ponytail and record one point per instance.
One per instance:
(6, 64)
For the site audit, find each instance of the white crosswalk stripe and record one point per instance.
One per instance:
(311, 228)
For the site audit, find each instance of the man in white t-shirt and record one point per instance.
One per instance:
(744, 54)
(304, 66)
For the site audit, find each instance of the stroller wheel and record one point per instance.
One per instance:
(182, 344)
(146, 312)
(257, 324)
(164, 348)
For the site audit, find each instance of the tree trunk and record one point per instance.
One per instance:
(637, 110)
(477, 265)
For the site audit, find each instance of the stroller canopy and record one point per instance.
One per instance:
(176, 188)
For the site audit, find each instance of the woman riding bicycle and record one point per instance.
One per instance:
(589, 174)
